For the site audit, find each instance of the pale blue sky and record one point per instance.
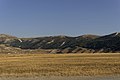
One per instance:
(29, 18)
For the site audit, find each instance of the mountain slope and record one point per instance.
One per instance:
(52, 42)
(4, 38)
(109, 42)
(66, 44)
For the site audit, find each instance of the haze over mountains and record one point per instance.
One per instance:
(65, 44)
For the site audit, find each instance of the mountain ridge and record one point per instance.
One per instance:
(66, 44)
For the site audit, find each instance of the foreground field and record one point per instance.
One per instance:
(63, 78)
(25, 65)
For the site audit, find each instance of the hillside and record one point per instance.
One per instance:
(66, 44)
(108, 43)
(58, 44)
(4, 38)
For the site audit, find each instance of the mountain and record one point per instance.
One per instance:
(52, 42)
(109, 42)
(4, 38)
(89, 36)
(66, 44)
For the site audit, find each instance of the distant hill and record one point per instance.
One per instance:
(89, 36)
(109, 42)
(66, 44)
(6, 38)
(52, 42)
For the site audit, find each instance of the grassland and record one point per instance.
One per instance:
(26, 65)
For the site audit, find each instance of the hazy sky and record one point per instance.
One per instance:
(29, 18)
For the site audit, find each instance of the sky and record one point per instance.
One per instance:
(30, 18)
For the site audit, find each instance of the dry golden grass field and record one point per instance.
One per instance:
(59, 64)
